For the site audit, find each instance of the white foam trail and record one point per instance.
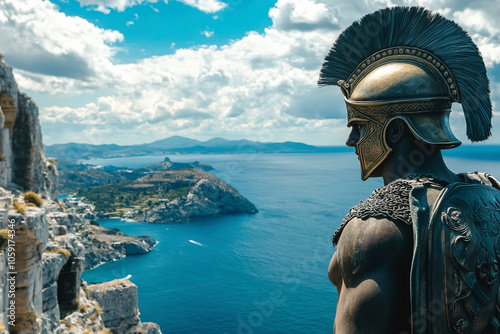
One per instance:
(196, 243)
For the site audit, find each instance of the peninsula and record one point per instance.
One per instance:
(161, 193)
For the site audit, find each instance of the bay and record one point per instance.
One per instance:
(262, 273)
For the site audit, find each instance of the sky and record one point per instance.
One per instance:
(136, 71)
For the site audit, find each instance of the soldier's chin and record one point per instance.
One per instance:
(377, 172)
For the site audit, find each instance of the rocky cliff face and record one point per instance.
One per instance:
(120, 312)
(42, 248)
(22, 161)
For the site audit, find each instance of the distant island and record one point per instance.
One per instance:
(180, 145)
(161, 193)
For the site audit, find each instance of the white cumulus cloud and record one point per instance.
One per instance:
(105, 6)
(41, 41)
(262, 86)
(207, 6)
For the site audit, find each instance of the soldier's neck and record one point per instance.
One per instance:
(418, 160)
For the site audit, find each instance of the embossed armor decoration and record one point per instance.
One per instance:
(459, 252)
(411, 64)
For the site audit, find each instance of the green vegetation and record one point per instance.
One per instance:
(4, 238)
(115, 191)
(121, 197)
(21, 208)
(62, 251)
(86, 233)
(31, 197)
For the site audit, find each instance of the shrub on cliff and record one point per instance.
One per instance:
(21, 208)
(31, 197)
(4, 238)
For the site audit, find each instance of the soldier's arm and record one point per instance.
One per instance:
(371, 269)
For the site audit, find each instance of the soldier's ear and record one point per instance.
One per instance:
(395, 132)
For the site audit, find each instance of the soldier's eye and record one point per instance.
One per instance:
(361, 128)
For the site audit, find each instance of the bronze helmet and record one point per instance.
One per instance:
(410, 64)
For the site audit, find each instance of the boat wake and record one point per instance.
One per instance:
(196, 243)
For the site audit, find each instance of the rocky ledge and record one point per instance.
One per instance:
(119, 303)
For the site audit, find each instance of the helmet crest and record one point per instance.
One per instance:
(408, 30)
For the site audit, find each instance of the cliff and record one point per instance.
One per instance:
(43, 245)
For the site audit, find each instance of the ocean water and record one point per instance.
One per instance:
(262, 273)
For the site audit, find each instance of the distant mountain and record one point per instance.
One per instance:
(176, 145)
(174, 142)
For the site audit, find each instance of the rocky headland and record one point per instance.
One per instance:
(207, 195)
(162, 193)
(104, 245)
(45, 246)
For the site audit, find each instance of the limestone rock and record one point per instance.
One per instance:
(62, 219)
(147, 328)
(31, 236)
(210, 196)
(104, 245)
(87, 319)
(119, 303)
(22, 159)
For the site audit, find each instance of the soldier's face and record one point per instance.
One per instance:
(371, 150)
(358, 129)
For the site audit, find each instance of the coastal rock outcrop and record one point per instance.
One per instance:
(207, 196)
(104, 245)
(119, 302)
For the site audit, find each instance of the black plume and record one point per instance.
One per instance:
(419, 28)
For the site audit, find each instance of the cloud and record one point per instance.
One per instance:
(207, 6)
(105, 6)
(129, 23)
(207, 33)
(302, 15)
(261, 86)
(327, 104)
(39, 39)
(480, 22)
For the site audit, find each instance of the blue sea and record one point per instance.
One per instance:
(261, 273)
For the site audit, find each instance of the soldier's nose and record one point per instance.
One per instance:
(352, 139)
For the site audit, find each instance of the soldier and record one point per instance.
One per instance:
(421, 254)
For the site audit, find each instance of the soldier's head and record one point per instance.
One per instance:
(407, 66)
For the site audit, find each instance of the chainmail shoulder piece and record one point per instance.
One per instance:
(391, 201)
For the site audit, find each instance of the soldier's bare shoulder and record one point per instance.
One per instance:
(367, 245)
